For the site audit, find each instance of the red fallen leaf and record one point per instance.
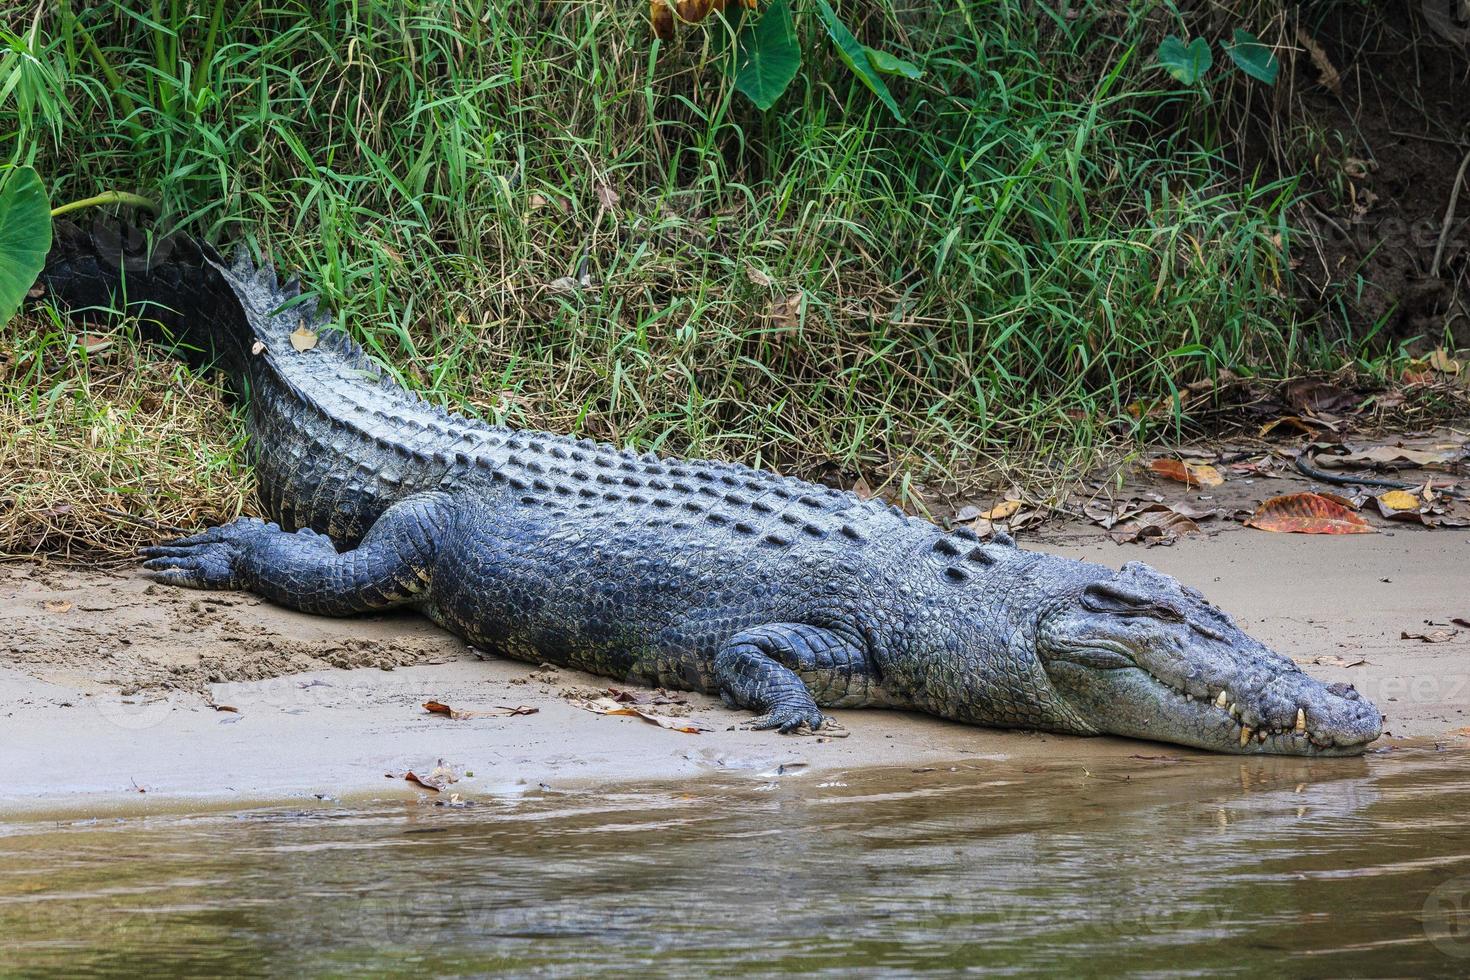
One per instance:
(499, 711)
(1307, 513)
(1190, 474)
(410, 777)
(437, 780)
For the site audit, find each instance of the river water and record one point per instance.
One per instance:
(1156, 864)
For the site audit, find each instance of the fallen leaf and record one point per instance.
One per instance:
(563, 286)
(1461, 621)
(1190, 474)
(1396, 500)
(1441, 361)
(757, 277)
(441, 777)
(499, 711)
(1434, 636)
(1307, 513)
(785, 314)
(226, 707)
(1157, 524)
(1294, 422)
(1335, 661)
(412, 778)
(1000, 511)
(607, 197)
(1337, 498)
(303, 339)
(1306, 395)
(1391, 456)
(608, 706)
(257, 347)
(56, 605)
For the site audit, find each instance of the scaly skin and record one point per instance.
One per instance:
(781, 596)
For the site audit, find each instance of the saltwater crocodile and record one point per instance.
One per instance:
(784, 597)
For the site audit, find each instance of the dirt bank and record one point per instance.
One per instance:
(110, 687)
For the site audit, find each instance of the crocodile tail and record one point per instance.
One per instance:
(185, 296)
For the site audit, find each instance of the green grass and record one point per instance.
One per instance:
(1054, 236)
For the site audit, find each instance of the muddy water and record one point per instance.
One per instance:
(1157, 864)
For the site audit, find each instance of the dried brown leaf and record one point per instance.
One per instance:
(1433, 636)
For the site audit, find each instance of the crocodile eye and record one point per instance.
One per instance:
(1118, 600)
(1098, 658)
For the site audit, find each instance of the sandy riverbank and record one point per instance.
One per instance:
(107, 682)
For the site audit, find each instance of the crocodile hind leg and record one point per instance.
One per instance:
(763, 669)
(302, 570)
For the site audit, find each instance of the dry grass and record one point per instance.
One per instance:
(106, 446)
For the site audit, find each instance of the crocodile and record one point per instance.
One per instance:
(783, 597)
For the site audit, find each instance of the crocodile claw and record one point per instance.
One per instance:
(788, 718)
(205, 560)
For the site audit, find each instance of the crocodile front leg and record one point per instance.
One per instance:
(303, 570)
(763, 669)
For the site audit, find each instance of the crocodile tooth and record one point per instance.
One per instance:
(1301, 720)
(1261, 735)
(1235, 710)
(1220, 700)
(1245, 735)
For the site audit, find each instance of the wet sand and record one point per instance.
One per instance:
(110, 685)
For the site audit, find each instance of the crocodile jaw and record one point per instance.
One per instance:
(1135, 653)
(1289, 714)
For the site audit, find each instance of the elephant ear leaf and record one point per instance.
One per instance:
(767, 55)
(855, 56)
(25, 236)
(1253, 57)
(1186, 62)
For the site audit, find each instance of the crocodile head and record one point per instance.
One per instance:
(1135, 653)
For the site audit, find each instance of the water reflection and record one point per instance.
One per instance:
(1156, 864)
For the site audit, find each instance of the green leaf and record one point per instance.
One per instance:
(1186, 62)
(854, 55)
(25, 237)
(767, 55)
(892, 65)
(1253, 57)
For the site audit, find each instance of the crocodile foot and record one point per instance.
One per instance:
(789, 718)
(211, 559)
